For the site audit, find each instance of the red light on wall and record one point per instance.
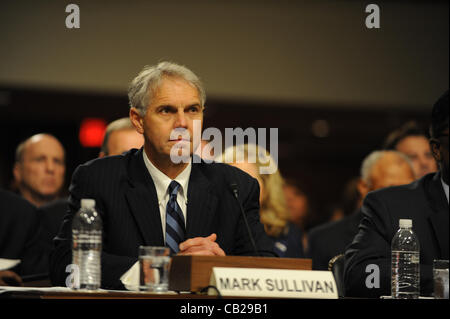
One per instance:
(92, 131)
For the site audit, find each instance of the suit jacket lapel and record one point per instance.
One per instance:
(439, 218)
(202, 203)
(143, 201)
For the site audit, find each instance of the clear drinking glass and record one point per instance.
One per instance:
(440, 279)
(154, 265)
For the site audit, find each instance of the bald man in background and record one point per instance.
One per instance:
(120, 136)
(39, 169)
(379, 169)
(39, 177)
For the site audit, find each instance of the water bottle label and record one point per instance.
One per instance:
(415, 259)
(93, 237)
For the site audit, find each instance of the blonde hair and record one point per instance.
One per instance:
(273, 211)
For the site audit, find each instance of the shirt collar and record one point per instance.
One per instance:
(162, 181)
(445, 188)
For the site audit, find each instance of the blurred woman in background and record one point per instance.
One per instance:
(274, 213)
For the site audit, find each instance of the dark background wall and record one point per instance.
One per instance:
(283, 64)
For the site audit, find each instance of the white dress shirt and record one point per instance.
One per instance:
(162, 182)
(131, 278)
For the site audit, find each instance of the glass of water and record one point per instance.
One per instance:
(154, 268)
(440, 279)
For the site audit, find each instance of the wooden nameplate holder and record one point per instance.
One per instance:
(192, 273)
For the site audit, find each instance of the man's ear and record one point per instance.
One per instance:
(17, 172)
(136, 120)
(363, 188)
(435, 145)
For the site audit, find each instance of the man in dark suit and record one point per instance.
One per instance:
(379, 169)
(19, 237)
(158, 195)
(425, 202)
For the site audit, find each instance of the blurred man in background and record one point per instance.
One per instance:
(120, 136)
(379, 169)
(413, 142)
(39, 169)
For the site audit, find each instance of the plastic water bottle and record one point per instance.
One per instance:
(405, 262)
(87, 245)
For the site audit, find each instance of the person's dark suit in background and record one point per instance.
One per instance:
(51, 216)
(378, 170)
(162, 98)
(20, 235)
(425, 202)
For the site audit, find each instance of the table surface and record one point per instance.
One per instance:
(64, 293)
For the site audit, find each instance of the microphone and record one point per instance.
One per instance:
(234, 189)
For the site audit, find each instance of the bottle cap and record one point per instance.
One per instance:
(405, 223)
(87, 203)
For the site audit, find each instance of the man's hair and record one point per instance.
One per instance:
(20, 149)
(143, 86)
(117, 125)
(408, 129)
(373, 158)
(439, 116)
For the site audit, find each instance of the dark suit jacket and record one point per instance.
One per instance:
(51, 216)
(127, 202)
(290, 242)
(425, 203)
(331, 239)
(20, 233)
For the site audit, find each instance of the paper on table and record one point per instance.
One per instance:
(130, 279)
(8, 263)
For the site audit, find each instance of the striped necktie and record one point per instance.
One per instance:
(175, 227)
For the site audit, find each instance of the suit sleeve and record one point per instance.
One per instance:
(371, 246)
(20, 234)
(36, 253)
(315, 252)
(112, 266)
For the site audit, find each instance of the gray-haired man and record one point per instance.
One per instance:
(145, 198)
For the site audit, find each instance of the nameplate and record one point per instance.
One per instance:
(273, 283)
